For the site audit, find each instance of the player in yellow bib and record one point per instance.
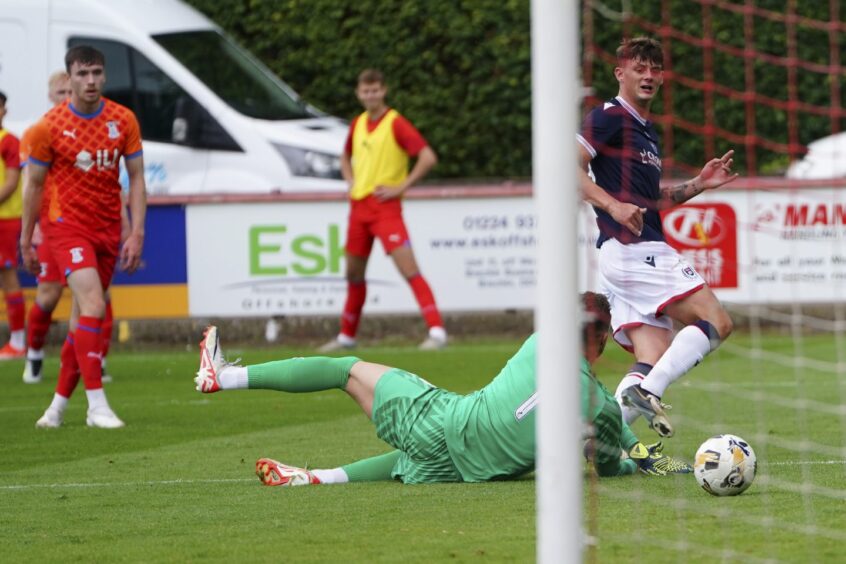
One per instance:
(10, 229)
(379, 147)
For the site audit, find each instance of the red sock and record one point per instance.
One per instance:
(15, 310)
(39, 324)
(68, 370)
(356, 294)
(88, 342)
(108, 323)
(425, 300)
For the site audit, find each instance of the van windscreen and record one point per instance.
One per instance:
(235, 75)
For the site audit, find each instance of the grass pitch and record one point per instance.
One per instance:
(177, 483)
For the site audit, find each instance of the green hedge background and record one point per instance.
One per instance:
(460, 69)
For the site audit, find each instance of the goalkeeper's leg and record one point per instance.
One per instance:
(294, 375)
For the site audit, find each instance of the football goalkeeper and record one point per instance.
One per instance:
(440, 436)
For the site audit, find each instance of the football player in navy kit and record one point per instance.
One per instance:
(647, 282)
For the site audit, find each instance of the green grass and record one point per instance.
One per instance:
(177, 483)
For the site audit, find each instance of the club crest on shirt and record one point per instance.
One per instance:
(76, 255)
(84, 161)
(114, 132)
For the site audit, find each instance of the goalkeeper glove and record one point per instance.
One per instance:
(648, 461)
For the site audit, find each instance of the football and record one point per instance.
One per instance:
(725, 465)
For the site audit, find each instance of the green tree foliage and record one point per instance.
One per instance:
(769, 36)
(459, 70)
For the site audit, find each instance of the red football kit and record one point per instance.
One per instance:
(10, 212)
(80, 212)
(379, 151)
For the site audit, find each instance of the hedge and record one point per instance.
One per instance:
(460, 69)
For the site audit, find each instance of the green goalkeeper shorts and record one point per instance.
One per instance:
(409, 415)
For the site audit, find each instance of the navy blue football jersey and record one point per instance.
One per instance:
(627, 164)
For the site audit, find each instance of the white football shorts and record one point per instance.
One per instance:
(640, 280)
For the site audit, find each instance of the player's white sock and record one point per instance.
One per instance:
(97, 399)
(18, 339)
(634, 377)
(59, 403)
(331, 476)
(689, 347)
(35, 354)
(233, 378)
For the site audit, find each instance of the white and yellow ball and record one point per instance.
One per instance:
(725, 465)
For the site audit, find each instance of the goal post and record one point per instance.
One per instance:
(555, 99)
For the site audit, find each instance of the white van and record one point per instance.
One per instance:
(213, 118)
(826, 158)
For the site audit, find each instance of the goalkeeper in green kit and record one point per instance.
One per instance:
(441, 436)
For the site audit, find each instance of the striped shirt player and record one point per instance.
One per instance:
(647, 282)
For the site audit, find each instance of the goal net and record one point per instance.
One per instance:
(762, 77)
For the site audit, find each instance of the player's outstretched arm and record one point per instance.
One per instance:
(714, 174)
(32, 194)
(628, 215)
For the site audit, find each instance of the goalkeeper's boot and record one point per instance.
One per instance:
(274, 473)
(211, 362)
(650, 406)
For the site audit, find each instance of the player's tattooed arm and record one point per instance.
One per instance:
(679, 194)
(714, 174)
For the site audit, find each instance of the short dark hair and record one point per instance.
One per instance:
(597, 315)
(640, 48)
(371, 76)
(84, 55)
(3, 98)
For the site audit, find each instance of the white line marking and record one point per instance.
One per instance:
(127, 484)
(802, 462)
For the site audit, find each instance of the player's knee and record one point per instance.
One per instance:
(48, 296)
(724, 325)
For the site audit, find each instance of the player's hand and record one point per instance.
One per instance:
(718, 172)
(37, 236)
(384, 193)
(628, 215)
(29, 257)
(648, 459)
(130, 252)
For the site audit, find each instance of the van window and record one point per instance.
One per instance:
(234, 75)
(158, 102)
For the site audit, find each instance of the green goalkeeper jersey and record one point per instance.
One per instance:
(490, 433)
(611, 435)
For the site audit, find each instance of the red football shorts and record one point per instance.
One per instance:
(10, 234)
(74, 248)
(370, 219)
(49, 271)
